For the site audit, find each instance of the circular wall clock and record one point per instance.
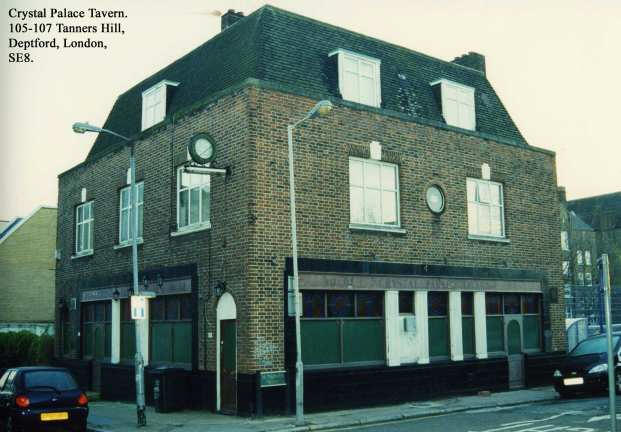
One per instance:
(435, 199)
(202, 148)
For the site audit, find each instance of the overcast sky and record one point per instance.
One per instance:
(554, 64)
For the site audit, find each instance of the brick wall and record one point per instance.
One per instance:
(250, 238)
(27, 268)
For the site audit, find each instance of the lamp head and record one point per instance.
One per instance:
(322, 108)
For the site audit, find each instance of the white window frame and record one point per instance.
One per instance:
(125, 213)
(154, 103)
(202, 223)
(587, 257)
(564, 241)
(489, 205)
(360, 59)
(579, 257)
(381, 189)
(588, 279)
(81, 225)
(462, 97)
(565, 268)
(580, 278)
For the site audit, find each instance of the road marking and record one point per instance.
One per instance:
(527, 423)
(603, 417)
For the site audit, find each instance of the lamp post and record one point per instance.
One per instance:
(321, 108)
(139, 361)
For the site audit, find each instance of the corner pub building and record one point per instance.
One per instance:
(428, 228)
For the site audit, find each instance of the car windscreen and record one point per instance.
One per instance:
(50, 380)
(596, 345)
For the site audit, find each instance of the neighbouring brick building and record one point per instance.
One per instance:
(603, 214)
(27, 267)
(580, 275)
(428, 229)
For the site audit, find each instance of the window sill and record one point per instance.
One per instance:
(82, 254)
(191, 230)
(488, 238)
(125, 245)
(378, 228)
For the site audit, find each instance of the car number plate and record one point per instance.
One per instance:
(573, 381)
(55, 416)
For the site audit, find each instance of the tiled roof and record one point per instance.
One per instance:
(577, 223)
(601, 211)
(291, 50)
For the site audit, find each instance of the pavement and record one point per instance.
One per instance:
(121, 417)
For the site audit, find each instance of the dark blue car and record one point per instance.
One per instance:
(41, 398)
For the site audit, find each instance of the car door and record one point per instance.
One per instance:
(6, 392)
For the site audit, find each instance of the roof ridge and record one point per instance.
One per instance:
(595, 196)
(394, 45)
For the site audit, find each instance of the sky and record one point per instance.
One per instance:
(554, 64)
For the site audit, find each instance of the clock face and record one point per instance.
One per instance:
(435, 199)
(202, 148)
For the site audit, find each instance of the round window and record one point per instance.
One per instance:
(435, 199)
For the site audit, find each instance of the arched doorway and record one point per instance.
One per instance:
(226, 355)
(515, 357)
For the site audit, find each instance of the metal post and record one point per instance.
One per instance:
(611, 364)
(138, 360)
(600, 292)
(299, 367)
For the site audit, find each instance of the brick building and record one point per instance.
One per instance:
(603, 214)
(428, 228)
(27, 266)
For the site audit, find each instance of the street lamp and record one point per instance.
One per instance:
(139, 361)
(320, 109)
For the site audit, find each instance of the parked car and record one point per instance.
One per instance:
(37, 398)
(585, 369)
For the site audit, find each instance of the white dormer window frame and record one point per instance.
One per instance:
(458, 108)
(154, 103)
(357, 72)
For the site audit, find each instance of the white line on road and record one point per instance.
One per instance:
(526, 423)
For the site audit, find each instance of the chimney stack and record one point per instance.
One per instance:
(230, 18)
(562, 195)
(472, 60)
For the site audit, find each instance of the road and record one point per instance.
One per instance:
(587, 414)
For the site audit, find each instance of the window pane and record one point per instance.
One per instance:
(496, 222)
(313, 304)
(79, 241)
(438, 337)
(172, 308)
(157, 309)
(467, 334)
(484, 219)
(356, 204)
(185, 305)
(194, 206)
(124, 228)
(87, 235)
(471, 188)
(473, 218)
(372, 206)
(350, 89)
(205, 203)
(100, 312)
(406, 302)
(125, 198)
(363, 340)
(340, 304)
(495, 193)
(492, 304)
(355, 172)
(451, 112)
(511, 303)
(532, 332)
(140, 216)
(367, 90)
(467, 304)
(366, 69)
(389, 208)
(369, 304)
(371, 175)
(183, 208)
(185, 179)
(80, 214)
(141, 193)
(530, 303)
(484, 193)
(437, 303)
(495, 334)
(388, 177)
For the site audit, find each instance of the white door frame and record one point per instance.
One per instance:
(226, 310)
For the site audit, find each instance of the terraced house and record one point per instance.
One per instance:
(428, 228)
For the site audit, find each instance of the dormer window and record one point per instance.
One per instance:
(154, 103)
(359, 77)
(457, 102)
